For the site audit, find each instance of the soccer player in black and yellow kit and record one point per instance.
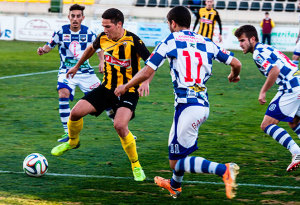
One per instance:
(207, 19)
(122, 51)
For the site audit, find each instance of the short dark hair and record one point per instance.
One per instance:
(115, 15)
(248, 30)
(76, 7)
(180, 15)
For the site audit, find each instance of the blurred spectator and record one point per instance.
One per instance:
(207, 18)
(267, 24)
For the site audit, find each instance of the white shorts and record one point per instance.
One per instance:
(297, 49)
(184, 131)
(85, 81)
(284, 106)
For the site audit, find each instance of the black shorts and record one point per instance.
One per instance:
(102, 98)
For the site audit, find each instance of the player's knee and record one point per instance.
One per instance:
(75, 114)
(63, 93)
(263, 125)
(119, 126)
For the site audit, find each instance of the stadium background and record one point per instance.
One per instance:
(35, 20)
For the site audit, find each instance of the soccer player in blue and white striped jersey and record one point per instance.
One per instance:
(190, 56)
(72, 40)
(285, 106)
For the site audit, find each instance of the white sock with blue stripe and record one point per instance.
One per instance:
(64, 112)
(280, 135)
(199, 165)
(297, 130)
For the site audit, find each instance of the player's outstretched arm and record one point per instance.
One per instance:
(89, 51)
(271, 79)
(43, 50)
(141, 76)
(236, 67)
(144, 89)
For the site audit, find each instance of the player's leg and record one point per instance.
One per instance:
(182, 142)
(66, 92)
(87, 83)
(283, 107)
(295, 125)
(75, 125)
(121, 121)
(124, 114)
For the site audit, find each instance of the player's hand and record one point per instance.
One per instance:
(71, 73)
(297, 40)
(101, 67)
(40, 51)
(120, 90)
(220, 38)
(233, 79)
(262, 98)
(144, 89)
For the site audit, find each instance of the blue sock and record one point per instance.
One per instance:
(280, 135)
(64, 112)
(177, 179)
(297, 130)
(200, 165)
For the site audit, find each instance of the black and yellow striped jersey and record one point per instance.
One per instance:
(207, 21)
(122, 58)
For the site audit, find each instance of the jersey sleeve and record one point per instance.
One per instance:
(222, 55)
(141, 48)
(94, 37)
(218, 19)
(158, 56)
(96, 42)
(54, 40)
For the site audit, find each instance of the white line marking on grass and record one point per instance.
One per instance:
(188, 182)
(27, 74)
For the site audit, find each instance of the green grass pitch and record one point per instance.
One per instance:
(29, 122)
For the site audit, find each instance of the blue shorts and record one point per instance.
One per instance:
(284, 106)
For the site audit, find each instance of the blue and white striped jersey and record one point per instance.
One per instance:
(266, 57)
(190, 56)
(71, 46)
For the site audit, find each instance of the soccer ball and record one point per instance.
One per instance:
(35, 165)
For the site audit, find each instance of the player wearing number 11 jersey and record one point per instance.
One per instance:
(190, 56)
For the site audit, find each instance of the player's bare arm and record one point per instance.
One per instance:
(144, 89)
(101, 61)
(236, 67)
(141, 76)
(43, 50)
(271, 79)
(89, 51)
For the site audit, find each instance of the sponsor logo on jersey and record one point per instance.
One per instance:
(206, 21)
(112, 60)
(67, 38)
(75, 48)
(272, 107)
(189, 39)
(297, 73)
(225, 51)
(259, 59)
(82, 37)
(266, 65)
